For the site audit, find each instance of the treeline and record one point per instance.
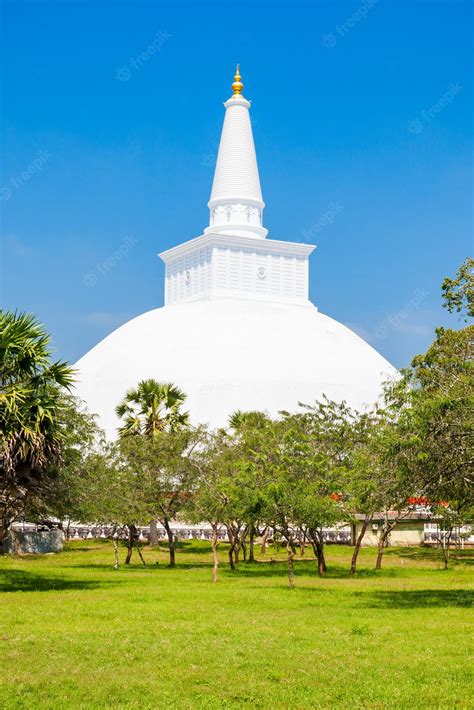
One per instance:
(294, 475)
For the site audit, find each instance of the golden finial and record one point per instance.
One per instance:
(237, 86)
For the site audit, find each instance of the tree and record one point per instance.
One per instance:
(111, 494)
(270, 485)
(449, 518)
(321, 450)
(151, 408)
(250, 437)
(458, 293)
(65, 493)
(362, 469)
(209, 497)
(435, 401)
(31, 437)
(441, 387)
(442, 392)
(162, 469)
(231, 480)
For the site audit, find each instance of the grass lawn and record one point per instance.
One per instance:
(77, 634)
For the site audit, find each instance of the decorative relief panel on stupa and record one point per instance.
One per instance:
(236, 214)
(214, 266)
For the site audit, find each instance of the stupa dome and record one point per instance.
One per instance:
(229, 354)
(237, 330)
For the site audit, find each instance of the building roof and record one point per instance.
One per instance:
(406, 516)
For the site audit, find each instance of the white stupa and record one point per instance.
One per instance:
(237, 330)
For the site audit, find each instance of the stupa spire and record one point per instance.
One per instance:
(237, 86)
(236, 203)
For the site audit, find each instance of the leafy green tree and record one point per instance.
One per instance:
(162, 470)
(251, 433)
(81, 438)
(441, 389)
(450, 518)
(458, 293)
(111, 494)
(152, 408)
(269, 484)
(435, 401)
(209, 497)
(340, 471)
(384, 474)
(360, 467)
(31, 437)
(149, 410)
(231, 470)
(321, 459)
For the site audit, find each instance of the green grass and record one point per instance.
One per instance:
(77, 634)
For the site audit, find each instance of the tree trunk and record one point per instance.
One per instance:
(3, 535)
(140, 551)
(116, 552)
(266, 535)
(5, 523)
(251, 543)
(446, 557)
(153, 540)
(214, 553)
(383, 541)
(358, 544)
(132, 535)
(445, 545)
(231, 539)
(171, 542)
(381, 545)
(317, 542)
(291, 567)
(302, 543)
(322, 569)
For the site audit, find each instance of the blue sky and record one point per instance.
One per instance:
(108, 157)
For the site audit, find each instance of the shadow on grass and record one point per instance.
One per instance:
(20, 581)
(191, 547)
(74, 547)
(426, 598)
(431, 554)
(151, 566)
(309, 568)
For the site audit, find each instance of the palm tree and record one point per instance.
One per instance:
(30, 406)
(240, 419)
(151, 408)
